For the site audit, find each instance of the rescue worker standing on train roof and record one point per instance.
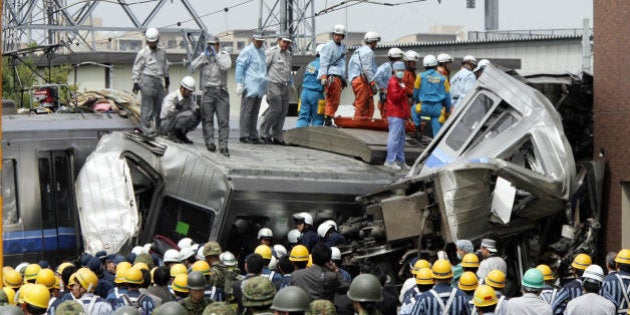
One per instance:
(149, 69)
(382, 75)
(311, 112)
(444, 60)
(463, 80)
(396, 106)
(615, 288)
(304, 223)
(361, 70)
(332, 72)
(431, 92)
(180, 114)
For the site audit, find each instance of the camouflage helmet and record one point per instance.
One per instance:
(196, 281)
(70, 308)
(144, 258)
(127, 310)
(322, 307)
(291, 299)
(211, 248)
(258, 291)
(10, 310)
(219, 308)
(4, 299)
(170, 308)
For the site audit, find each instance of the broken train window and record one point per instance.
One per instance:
(179, 219)
(470, 121)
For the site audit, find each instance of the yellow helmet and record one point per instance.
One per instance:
(31, 271)
(310, 261)
(6, 269)
(495, 279)
(442, 269)
(38, 296)
(299, 253)
(10, 295)
(46, 277)
(121, 268)
(201, 266)
(180, 283)
(23, 292)
(470, 260)
(484, 296)
(546, 271)
(57, 284)
(468, 281)
(177, 269)
(581, 261)
(623, 257)
(420, 264)
(141, 265)
(86, 279)
(152, 272)
(264, 251)
(63, 266)
(12, 279)
(133, 275)
(424, 276)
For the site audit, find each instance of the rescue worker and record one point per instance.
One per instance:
(443, 60)
(383, 74)
(415, 266)
(231, 274)
(214, 64)
(323, 279)
(47, 278)
(188, 256)
(550, 290)
(179, 287)
(133, 297)
(468, 282)
(530, 303)
(479, 69)
(365, 292)
(265, 252)
(285, 268)
(591, 302)
(120, 286)
(496, 280)
(299, 256)
(332, 72)
(312, 102)
(615, 288)
(149, 69)
(361, 70)
(253, 267)
(336, 259)
(160, 284)
(82, 285)
(258, 294)
(291, 300)
(265, 236)
(103, 286)
(423, 282)
(322, 307)
(180, 114)
(36, 300)
(279, 61)
(411, 59)
(251, 83)
(211, 252)
(431, 92)
(397, 113)
(484, 300)
(490, 260)
(217, 308)
(463, 80)
(442, 299)
(470, 262)
(12, 279)
(196, 302)
(30, 273)
(329, 235)
(203, 267)
(304, 224)
(170, 308)
(611, 264)
(573, 288)
(69, 307)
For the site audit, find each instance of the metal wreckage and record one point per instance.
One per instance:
(513, 162)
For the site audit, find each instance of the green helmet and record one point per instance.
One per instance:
(69, 308)
(196, 281)
(365, 288)
(211, 248)
(258, 291)
(533, 278)
(127, 310)
(4, 299)
(321, 307)
(145, 258)
(11, 310)
(291, 299)
(219, 308)
(170, 308)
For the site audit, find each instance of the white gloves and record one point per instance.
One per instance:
(239, 88)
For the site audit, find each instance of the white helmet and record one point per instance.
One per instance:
(147, 247)
(443, 57)
(152, 34)
(304, 216)
(395, 53)
(331, 222)
(429, 61)
(339, 29)
(594, 272)
(323, 228)
(278, 250)
(318, 49)
(200, 255)
(265, 232)
(481, 65)
(336, 253)
(273, 262)
(411, 55)
(137, 250)
(23, 265)
(470, 58)
(184, 242)
(371, 37)
(228, 259)
(172, 255)
(186, 253)
(293, 236)
(188, 83)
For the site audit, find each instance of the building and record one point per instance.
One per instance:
(235, 40)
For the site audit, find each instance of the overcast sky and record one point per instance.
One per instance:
(390, 22)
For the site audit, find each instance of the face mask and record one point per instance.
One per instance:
(459, 256)
(400, 74)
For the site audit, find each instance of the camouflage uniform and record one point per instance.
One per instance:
(4, 299)
(258, 292)
(195, 308)
(231, 275)
(219, 308)
(322, 307)
(217, 276)
(70, 308)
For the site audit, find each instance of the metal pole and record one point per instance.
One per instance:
(586, 46)
(1, 202)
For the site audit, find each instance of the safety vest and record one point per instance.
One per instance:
(439, 296)
(625, 291)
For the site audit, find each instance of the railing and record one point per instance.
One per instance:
(523, 34)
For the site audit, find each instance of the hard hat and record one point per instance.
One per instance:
(371, 37)
(442, 269)
(70, 307)
(12, 279)
(170, 308)
(365, 288)
(4, 299)
(172, 255)
(180, 283)
(310, 261)
(336, 253)
(322, 229)
(127, 310)
(137, 250)
(31, 271)
(411, 55)
(468, 281)
(399, 65)
(211, 248)
(217, 308)
(258, 291)
(623, 257)
(594, 272)
(273, 262)
(10, 293)
(332, 223)
(581, 261)
(318, 49)
(7, 269)
(322, 307)
(495, 278)
(484, 296)
(546, 271)
(278, 250)
(20, 268)
(228, 259)
(264, 251)
(420, 264)
(152, 34)
(184, 242)
(188, 83)
(429, 61)
(293, 236)
(86, 279)
(177, 269)
(38, 296)
(46, 277)
(443, 57)
(305, 217)
(424, 276)
(202, 267)
(470, 58)
(339, 29)
(63, 266)
(196, 281)
(22, 292)
(265, 232)
(394, 53)
(470, 260)
(481, 65)
(133, 275)
(57, 284)
(299, 253)
(10, 310)
(258, 36)
(533, 278)
(187, 253)
(141, 266)
(120, 271)
(291, 299)
(213, 40)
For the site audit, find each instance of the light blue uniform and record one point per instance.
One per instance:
(383, 73)
(251, 71)
(332, 60)
(312, 92)
(461, 83)
(362, 62)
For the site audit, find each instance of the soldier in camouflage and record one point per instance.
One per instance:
(219, 308)
(170, 308)
(211, 252)
(195, 303)
(322, 307)
(291, 300)
(258, 293)
(70, 308)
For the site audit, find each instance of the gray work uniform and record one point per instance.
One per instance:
(590, 304)
(178, 120)
(279, 73)
(149, 70)
(489, 264)
(215, 95)
(528, 304)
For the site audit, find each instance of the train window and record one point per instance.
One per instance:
(470, 122)
(46, 188)
(179, 219)
(10, 211)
